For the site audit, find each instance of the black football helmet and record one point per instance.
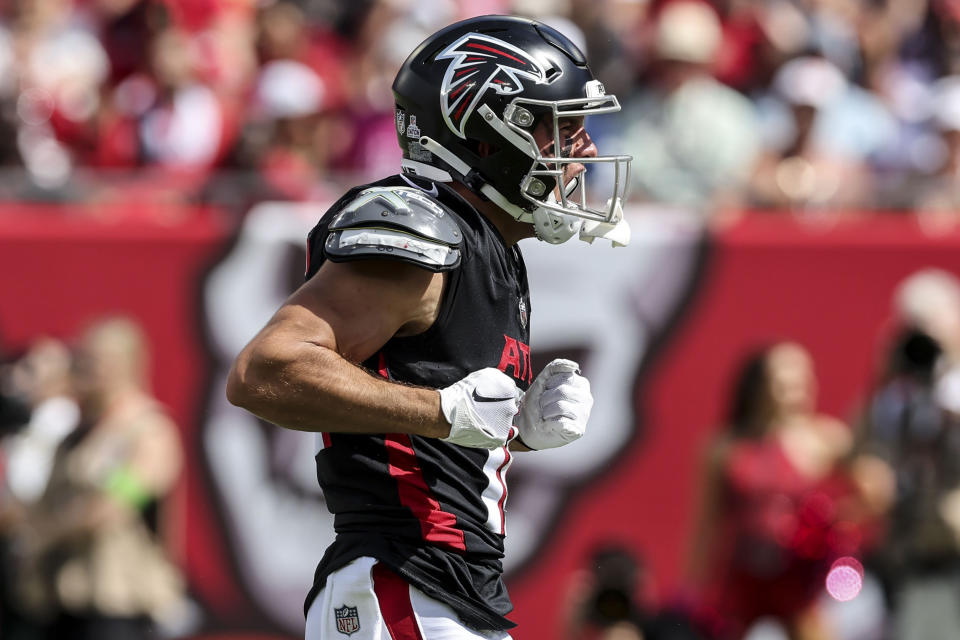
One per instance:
(491, 80)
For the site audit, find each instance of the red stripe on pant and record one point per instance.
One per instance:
(393, 594)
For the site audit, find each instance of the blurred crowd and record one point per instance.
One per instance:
(803, 105)
(729, 105)
(146, 99)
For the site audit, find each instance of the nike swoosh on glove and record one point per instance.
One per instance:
(480, 409)
(556, 408)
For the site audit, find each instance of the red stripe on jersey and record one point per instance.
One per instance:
(326, 439)
(436, 525)
(474, 45)
(393, 594)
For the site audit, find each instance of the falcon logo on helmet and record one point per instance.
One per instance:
(481, 63)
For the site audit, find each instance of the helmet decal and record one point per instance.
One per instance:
(481, 63)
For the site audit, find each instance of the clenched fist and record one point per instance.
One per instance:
(555, 410)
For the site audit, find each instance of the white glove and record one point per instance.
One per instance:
(555, 409)
(480, 409)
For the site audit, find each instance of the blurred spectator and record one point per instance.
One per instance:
(92, 562)
(382, 42)
(694, 140)
(745, 55)
(819, 132)
(779, 505)
(184, 126)
(615, 39)
(284, 33)
(125, 28)
(303, 137)
(938, 200)
(913, 423)
(61, 66)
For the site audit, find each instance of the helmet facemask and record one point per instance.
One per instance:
(560, 202)
(570, 197)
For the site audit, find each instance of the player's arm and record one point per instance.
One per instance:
(388, 251)
(301, 370)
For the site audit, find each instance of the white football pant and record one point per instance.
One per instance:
(366, 601)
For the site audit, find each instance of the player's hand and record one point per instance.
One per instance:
(555, 410)
(480, 409)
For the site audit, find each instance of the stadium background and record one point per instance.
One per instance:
(103, 213)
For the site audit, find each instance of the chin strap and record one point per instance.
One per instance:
(616, 231)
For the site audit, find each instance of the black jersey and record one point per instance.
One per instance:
(430, 510)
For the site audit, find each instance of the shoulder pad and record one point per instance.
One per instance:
(395, 222)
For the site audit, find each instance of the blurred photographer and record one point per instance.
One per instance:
(912, 423)
(36, 412)
(14, 408)
(615, 600)
(41, 378)
(607, 599)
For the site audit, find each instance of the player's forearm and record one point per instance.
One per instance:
(311, 388)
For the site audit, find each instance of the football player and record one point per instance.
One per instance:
(407, 347)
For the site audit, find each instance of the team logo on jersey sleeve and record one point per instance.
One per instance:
(348, 620)
(481, 64)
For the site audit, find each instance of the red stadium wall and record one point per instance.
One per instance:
(766, 278)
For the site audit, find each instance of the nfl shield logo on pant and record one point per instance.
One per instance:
(347, 619)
